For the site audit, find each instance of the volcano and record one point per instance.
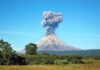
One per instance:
(50, 42)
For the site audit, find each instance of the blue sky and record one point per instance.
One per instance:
(20, 22)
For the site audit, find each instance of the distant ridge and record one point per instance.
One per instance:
(90, 52)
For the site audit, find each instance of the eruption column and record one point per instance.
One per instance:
(51, 21)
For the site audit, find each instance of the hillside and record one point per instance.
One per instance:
(90, 52)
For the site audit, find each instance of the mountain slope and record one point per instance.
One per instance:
(52, 43)
(90, 52)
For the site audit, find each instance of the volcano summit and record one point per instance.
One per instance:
(50, 42)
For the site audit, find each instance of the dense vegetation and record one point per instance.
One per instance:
(9, 57)
(51, 59)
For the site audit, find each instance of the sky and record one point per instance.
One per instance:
(20, 22)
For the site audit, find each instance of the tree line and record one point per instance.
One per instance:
(8, 56)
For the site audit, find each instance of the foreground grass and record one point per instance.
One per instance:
(54, 67)
(91, 65)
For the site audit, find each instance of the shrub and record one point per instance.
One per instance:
(76, 61)
(58, 61)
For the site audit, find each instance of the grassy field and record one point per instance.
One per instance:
(89, 66)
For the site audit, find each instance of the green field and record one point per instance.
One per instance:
(90, 65)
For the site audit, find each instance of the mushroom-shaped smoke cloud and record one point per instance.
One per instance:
(51, 21)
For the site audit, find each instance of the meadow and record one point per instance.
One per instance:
(90, 65)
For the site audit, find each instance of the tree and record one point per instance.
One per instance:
(5, 49)
(30, 48)
(8, 56)
(6, 52)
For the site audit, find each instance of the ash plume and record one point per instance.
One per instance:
(51, 21)
(50, 42)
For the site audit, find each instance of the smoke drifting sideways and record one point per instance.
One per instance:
(50, 21)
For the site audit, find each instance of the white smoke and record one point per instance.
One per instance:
(51, 21)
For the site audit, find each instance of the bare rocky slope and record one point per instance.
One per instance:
(52, 43)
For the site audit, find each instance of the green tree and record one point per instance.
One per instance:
(8, 56)
(6, 52)
(30, 48)
(5, 49)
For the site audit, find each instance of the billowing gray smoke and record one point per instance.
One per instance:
(51, 21)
